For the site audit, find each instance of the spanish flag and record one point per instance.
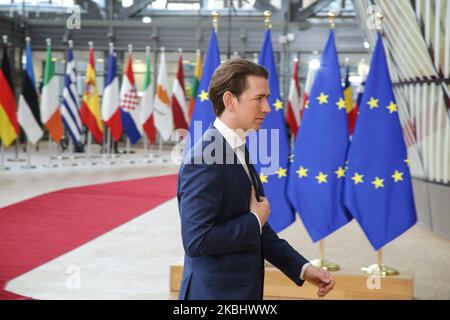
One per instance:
(90, 108)
(348, 95)
(9, 126)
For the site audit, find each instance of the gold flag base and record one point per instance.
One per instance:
(325, 265)
(380, 269)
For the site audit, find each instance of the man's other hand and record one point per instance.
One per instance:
(321, 279)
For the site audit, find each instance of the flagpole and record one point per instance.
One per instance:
(146, 151)
(129, 161)
(50, 152)
(28, 165)
(322, 263)
(108, 146)
(71, 157)
(2, 167)
(89, 147)
(160, 142)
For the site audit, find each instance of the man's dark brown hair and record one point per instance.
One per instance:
(232, 76)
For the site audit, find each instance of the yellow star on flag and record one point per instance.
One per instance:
(263, 178)
(392, 107)
(358, 178)
(373, 103)
(340, 172)
(278, 105)
(407, 162)
(378, 183)
(203, 96)
(281, 172)
(397, 176)
(323, 98)
(321, 178)
(341, 104)
(302, 172)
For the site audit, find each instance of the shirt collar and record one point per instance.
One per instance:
(230, 135)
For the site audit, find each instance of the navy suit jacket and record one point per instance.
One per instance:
(224, 246)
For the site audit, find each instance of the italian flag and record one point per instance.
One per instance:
(50, 111)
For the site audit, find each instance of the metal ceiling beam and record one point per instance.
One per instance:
(137, 7)
(299, 14)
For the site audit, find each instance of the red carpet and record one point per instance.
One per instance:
(40, 229)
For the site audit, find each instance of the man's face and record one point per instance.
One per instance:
(252, 106)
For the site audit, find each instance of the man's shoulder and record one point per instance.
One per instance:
(208, 149)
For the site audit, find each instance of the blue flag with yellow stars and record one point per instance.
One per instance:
(276, 147)
(203, 114)
(378, 189)
(316, 178)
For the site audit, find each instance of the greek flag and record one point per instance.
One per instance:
(70, 108)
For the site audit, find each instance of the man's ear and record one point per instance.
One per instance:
(228, 100)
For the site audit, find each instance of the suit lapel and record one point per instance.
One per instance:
(232, 161)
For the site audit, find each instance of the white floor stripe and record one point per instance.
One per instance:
(129, 262)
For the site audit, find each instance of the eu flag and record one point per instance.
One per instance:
(203, 114)
(274, 139)
(378, 189)
(316, 178)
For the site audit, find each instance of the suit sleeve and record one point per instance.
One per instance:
(281, 254)
(200, 193)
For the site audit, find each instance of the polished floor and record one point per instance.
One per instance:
(132, 261)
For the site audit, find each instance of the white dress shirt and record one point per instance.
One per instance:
(237, 143)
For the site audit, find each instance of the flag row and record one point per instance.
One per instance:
(121, 110)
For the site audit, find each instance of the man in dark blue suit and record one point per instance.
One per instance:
(221, 200)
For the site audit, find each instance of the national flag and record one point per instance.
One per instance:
(70, 108)
(348, 96)
(162, 110)
(9, 126)
(203, 114)
(195, 83)
(293, 111)
(147, 118)
(179, 105)
(90, 107)
(28, 113)
(317, 174)
(50, 103)
(111, 99)
(129, 104)
(310, 76)
(378, 189)
(273, 133)
(353, 115)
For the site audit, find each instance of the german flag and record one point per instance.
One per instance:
(9, 126)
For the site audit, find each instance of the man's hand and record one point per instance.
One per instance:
(320, 278)
(261, 208)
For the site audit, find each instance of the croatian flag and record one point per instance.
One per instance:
(129, 104)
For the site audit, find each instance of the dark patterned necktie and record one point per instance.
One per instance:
(254, 177)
